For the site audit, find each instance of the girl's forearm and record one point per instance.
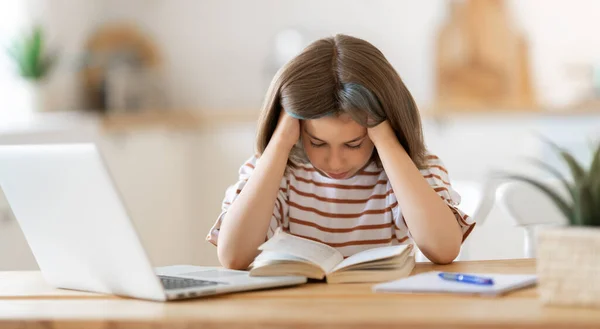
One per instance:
(247, 220)
(430, 220)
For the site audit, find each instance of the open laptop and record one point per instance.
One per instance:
(81, 234)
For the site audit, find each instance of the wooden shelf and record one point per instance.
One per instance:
(189, 120)
(203, 119)
(176, 120)
(436, 113)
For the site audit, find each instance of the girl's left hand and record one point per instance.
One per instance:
(380, 133)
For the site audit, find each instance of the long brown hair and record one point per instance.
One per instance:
(342, 74)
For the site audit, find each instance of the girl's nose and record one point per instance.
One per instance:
(335, 161)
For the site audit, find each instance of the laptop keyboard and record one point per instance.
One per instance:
(170, 282)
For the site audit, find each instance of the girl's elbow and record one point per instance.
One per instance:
(234, 264)
(445, 255)
(232, 260)
(448, 249)
(444, 259)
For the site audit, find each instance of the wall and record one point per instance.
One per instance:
(217, 52)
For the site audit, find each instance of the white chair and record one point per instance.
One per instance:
(530, 208)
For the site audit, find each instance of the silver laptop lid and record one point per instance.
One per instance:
(74, 220)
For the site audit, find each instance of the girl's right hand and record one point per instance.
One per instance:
(287, 131)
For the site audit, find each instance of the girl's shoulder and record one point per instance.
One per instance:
(433, 163)
(248, 166)
(432, 159)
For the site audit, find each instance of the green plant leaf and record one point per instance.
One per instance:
(34, 52)
(595, 166)
(576, 169)
(561, 204)
(594, 171)
(577, 213)
(595, 188)
(568, 186)
(584, 187)
(586, 211)
(28, 55)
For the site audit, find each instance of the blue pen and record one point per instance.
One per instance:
(466, 278)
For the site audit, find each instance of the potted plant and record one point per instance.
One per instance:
(568, 257)
(33, 63)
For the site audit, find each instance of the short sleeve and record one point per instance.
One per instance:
(401, 232)
(280, 208)
(438, 178)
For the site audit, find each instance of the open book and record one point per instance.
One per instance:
(286, 254)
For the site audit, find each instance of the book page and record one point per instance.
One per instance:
(321, 254)
(267, 256)
(373, 254)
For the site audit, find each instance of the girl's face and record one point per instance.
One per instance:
(337, 146)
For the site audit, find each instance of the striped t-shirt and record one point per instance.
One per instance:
(350, 215)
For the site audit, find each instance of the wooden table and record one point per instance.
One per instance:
(27, 302)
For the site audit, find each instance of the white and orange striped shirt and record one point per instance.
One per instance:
(350, 215)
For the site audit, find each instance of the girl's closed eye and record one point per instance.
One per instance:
(355, 146)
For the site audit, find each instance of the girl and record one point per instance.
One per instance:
(340, 160)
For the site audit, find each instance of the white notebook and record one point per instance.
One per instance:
(431, 282)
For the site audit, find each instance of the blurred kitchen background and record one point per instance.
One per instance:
(170, 90)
